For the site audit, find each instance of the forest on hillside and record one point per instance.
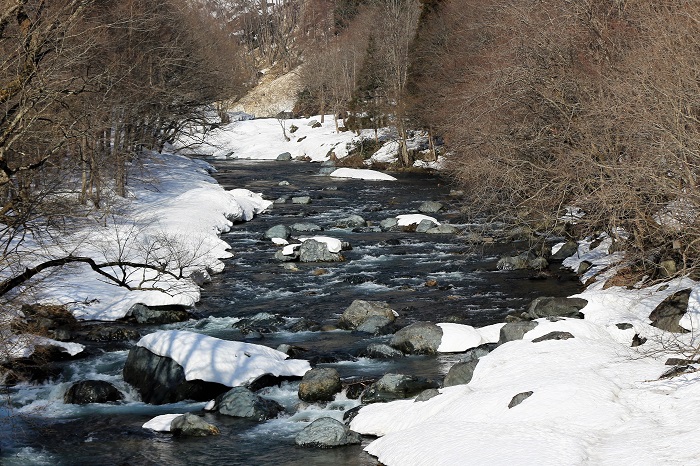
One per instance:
(542, 105)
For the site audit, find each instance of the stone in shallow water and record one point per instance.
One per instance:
(241, 402)
(326, 432)
(92, 391)
(320, 384)
(191, 425)
(396, 386)
(418, 338)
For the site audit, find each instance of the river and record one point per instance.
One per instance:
(396, 267)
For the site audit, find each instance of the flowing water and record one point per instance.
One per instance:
(390, 266)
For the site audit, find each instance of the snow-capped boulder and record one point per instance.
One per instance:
(313, 250)
(170, 366)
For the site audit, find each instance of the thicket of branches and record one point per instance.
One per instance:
(86, 86)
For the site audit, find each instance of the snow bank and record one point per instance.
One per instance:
(173, 215)
(361, 174)
(263, 139)
(592, 398)
(24, 345)
(229, 363)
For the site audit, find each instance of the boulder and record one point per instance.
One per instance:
(313, 123)
(317, 251)
(553, 336)
(278, 231)
(305, 227)
(284, 156)
(381, 351)
(389, 224)
(92, 391)
(519, 398)
(418, 338)
(326, 432)
(191, 425)
(424, 226)
(667, 315)
(568, 249)
(429, 207)
(460, 373)
(159, 314)
(443, 229)
(557, 307)
(376, 325)
(425, 395)
(320, 384)
(241, 402)
(112, 334)
(352, 221)
(282, 257)
(325, 171)
(395, 387)
(360, 311)
(515, 330)
(262, 322)
(512, 263)
(281, 200)
(161, 380)
(301, 200)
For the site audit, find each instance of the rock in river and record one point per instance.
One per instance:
(418, 338)
(320, 384)
(92, 391)
(326, 432)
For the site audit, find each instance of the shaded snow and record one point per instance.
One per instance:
(362, 174)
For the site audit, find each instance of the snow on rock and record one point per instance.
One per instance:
(414, 219)
(361, 174)
(161, 423)
(334, 245)
(457, 338)
(229, 363)
(24, 345)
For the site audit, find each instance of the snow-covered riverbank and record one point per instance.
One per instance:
(589, 396)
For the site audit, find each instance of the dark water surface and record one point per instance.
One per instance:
(392, 267)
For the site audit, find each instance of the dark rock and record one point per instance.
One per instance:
(312, 123)
(418, 338)
(320, 384)
(261, 323)
(241, 402)
(680, 362)
(667, 315)
(425, 395)
(326, 432)
(284, 156)
(355, 388)
(515, 330)
(48, 317)
(583, 267)
(423, 226)
(395, 387)
(350, 414)
(191, 425)
(359, 311)
(317, 251)
(624, 326)
(161, 380)
(512, 263)
(567, 250)
(638, 341)
(553, 336)
(278, 231)
(291, 350)
(460, 373)
(560, 307)
(358, 279)
(519, 398)
(91, 391)
(287, 258)
(381, 351)
(430, 207)
(159, 314)
(304, 325)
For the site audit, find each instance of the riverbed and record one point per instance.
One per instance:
(424, 277)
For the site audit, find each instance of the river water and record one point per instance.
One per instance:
(389, 266)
